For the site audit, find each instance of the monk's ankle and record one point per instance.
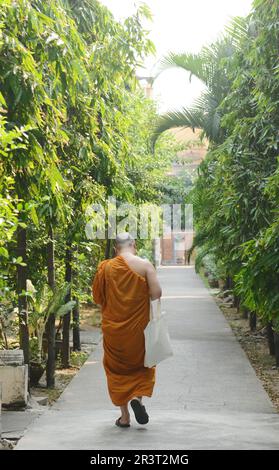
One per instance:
(125, 419)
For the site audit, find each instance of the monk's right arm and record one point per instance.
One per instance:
(153, 283)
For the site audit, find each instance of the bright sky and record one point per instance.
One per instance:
(178, 26)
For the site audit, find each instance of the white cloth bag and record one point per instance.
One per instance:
(157, 340)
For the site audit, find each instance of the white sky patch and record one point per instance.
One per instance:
(180, 26)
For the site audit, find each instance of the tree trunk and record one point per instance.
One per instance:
(50, 327)
(270, 338)
(108, 248)
(76, 331)
(228, 283)
(245, 313)
(253, 321)
(76, 311)
(236, 302)
(22, 299)
(67, 317)
(276, 348)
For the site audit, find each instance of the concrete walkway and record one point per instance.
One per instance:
(207, 396)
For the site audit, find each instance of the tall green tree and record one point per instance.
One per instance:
(235, 199)
(210, 66)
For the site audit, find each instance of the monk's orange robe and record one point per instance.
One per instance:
(124, 297)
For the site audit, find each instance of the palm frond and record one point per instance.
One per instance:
(202, 115)
(237, 30)
(202, 65)
(191, 117)
(192, 63)
(211, 116)
(210, 66)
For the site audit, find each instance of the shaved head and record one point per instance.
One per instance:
(124, 240)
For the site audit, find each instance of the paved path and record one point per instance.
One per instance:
(207, 395)
(13, 424)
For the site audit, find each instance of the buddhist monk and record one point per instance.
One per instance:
(124, 286)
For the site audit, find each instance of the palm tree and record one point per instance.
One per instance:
(210, 66)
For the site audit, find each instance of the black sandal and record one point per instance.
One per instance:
(140, 411)
(120, 425)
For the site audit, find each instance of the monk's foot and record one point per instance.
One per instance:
(123, 422)
(140, 411)
(125, 419)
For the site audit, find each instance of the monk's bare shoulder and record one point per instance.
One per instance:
(149, 266)
(138, 264)
(142, 260)
(146, 265)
